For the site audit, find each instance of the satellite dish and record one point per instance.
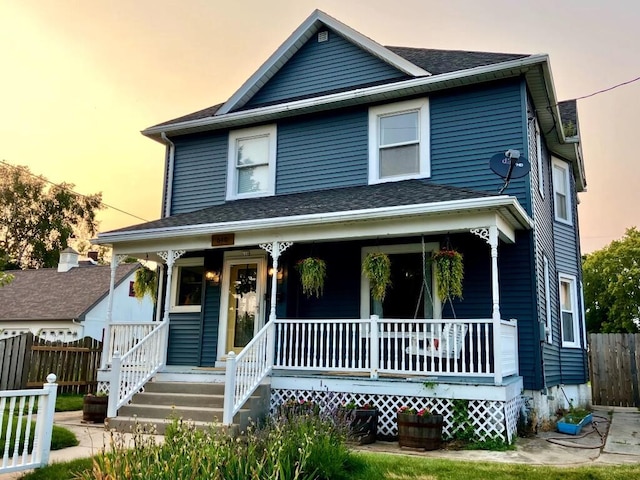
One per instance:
(509, 165)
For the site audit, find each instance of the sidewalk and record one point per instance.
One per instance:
(622, 444)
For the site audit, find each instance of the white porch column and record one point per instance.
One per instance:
(275, 249)
(170, 257)
(106, 345)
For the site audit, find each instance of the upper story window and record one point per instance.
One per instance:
(569, 312)
(399, 141)
(252, 162)
(186, 288)
(561, 191)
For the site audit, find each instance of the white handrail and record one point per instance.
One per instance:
(135, 367)
(246, 370)
(123, 336)
(20, 408)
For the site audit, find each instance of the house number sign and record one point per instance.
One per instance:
(222, 239)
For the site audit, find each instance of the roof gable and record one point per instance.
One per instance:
(46, 294)
(297, 40)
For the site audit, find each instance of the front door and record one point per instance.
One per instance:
(243, 300)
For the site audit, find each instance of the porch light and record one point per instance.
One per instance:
(212, 277)
(280, 274)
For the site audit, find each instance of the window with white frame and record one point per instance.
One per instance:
(252, 160)
(569, 311)
(186, 285)
(399, 141)
(561, 191)
(547, 301)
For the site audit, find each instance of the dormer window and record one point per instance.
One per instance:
(399, 141)
(252, 160)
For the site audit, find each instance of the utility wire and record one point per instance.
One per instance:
(608, 89)
(24, 170)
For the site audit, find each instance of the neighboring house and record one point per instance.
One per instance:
(337, 147)
(69, 302)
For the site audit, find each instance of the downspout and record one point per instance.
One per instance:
(168, 192)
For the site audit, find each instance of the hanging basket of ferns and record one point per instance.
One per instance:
(146, 282)
(449, 270)
(377, 268)
(313, 272)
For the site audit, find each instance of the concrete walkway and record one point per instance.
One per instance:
(616, 442)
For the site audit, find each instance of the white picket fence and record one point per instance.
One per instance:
(24, 412)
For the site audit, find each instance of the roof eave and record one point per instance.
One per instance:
(511, 206)
(360, 96)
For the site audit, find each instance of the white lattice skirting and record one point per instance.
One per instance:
(491, 419)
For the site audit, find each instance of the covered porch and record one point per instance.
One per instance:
(430, 345)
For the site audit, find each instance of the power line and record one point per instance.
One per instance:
(608, 89)
(24, 170)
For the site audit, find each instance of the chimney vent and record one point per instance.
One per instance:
(93, 255)
(68, 259)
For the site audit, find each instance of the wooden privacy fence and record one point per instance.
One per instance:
(15, 353)
(26, 359)
(615, 369)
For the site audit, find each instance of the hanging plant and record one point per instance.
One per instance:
(449, 273)
(377, 268)
(146, 282)
(313, 272)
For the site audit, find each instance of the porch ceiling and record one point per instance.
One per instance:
(386, 210)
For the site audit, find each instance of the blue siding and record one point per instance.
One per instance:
(200, 172)
(319, 68)
(184, 339)
(467, 128)
(322, 152)
(211, 312)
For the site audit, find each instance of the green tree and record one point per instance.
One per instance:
(612, 285)
(37, 220)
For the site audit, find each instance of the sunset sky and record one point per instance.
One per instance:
(80, 79)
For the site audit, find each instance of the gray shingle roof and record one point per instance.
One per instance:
(568, 111)
(407, 192)
(434, 61)
(46, 294)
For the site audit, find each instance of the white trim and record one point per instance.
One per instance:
(573, 290)
(547, 301)
(237, 257)
(539, 157)
(583, 316)
(421, 106)
(357, 96)
(485, 203)
(296, 40)
(365, 310)
(269, 131)
(183, 262)
(569, 200)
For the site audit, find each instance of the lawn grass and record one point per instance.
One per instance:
(60, 471)
(69, 402)
(60, 438)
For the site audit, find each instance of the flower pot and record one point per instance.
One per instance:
(363, 424)
(565, 426)
(420, 431)
(94, 409)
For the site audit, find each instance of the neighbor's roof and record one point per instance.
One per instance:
(46, 294)
(391, 194)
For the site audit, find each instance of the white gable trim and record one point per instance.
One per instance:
(296, 40)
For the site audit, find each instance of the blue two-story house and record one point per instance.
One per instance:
(336, 148)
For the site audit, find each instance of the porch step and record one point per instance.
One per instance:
(201, 403)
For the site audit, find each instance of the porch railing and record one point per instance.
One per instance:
(245, 371)
(131, 369)
(469, 347)
(21, 413)
(123, 336)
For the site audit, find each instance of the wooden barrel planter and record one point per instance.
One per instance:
(94, 408)
(363, 424)
(420, 431)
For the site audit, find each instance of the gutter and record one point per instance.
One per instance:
(316, 219)
(361, 95)
(167, 194)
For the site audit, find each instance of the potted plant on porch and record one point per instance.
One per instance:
(449, 271)
(419, 428)
(377, 268)
(313, 272)
(362, 420)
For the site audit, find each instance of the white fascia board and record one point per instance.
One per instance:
(360, 95)
(296, 40)
(487, 203)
